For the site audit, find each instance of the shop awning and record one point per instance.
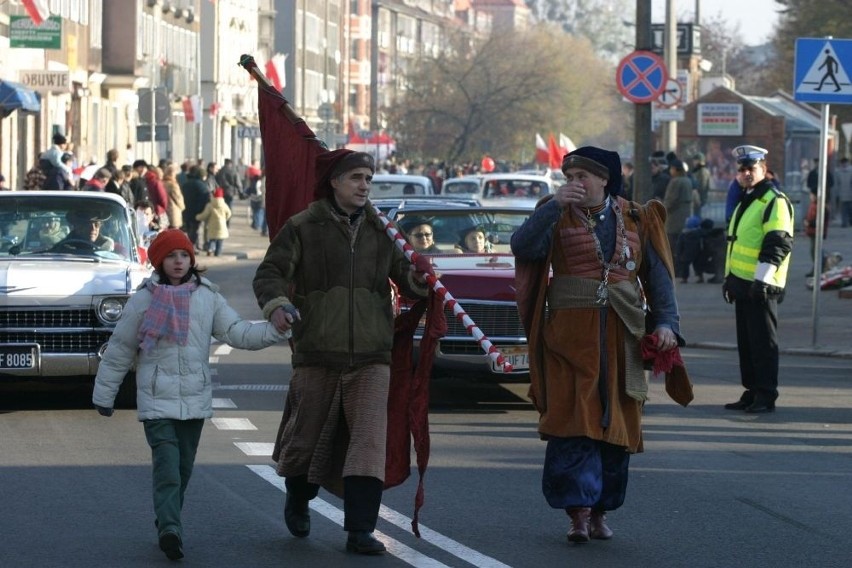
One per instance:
(14, 96)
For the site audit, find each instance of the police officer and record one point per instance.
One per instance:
(760, 238)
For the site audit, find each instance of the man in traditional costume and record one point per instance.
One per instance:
(612, 279)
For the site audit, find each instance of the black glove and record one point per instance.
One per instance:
(727, 291)
(103, 411)
(759, 292)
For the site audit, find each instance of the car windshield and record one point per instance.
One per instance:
(515, 187)
(460, 187)
(461, 231)
(44, 225)
(395, 188)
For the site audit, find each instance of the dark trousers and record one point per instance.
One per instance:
(581, 472)
(757, 342)
(362, 498)
(173, 447)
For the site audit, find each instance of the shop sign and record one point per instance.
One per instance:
(23, 32)
(46, 81)
(720, 119)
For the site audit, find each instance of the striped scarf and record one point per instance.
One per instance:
(168, 315)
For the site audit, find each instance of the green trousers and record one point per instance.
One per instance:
(173, 446)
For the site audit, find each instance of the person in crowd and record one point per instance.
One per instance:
(210, 179)
(137, 181)
(3, 186)
(254, 189)
(52, 160)
(35, 177)
(421, 235)
(59, 179)
(473, 240)
(157, 194)
(215, 216)
(230, 181)
(164, 333)
(702, 179)
(118, 185)
(659, 175)
(812, 181)
(175, 204)
(689, 251)
(85, 233)
(678, 202)
(810, 227)
(586, 360)
(111, 161)
(195, 197)
(52, 231)
(98, 181)
(760, 239)
(330, 260)
(147, 223)
(627, 175)
(843, 179)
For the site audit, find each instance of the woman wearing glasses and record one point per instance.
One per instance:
(421, 235)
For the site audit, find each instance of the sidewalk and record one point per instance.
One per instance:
(706, 320)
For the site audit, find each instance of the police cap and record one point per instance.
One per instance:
(749, 155)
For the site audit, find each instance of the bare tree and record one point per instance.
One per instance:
(493, 96)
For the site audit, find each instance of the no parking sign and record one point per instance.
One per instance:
(641, 76)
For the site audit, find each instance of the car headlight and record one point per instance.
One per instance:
(109, 310)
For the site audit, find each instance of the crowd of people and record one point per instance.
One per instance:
(194, 197)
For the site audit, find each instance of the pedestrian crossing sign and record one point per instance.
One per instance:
(822, 71)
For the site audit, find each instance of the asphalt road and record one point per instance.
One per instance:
(714, 487)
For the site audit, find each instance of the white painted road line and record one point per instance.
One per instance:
(419, 560)
(223, 349)
(223, 403)
(255, 448)
(233, 424)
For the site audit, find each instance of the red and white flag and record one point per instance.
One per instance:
(566, 144)
(38, 10)
(554, 154)
(276, 71)
(192, 109)
(542, 156)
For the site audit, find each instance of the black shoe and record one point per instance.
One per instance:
(363, 542)
(739, 405)
(171, 544)
(809, 274)
(297, 517)
(758, 407)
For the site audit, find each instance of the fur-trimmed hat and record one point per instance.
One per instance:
(597, 161)
(330, 165)
(165, 243)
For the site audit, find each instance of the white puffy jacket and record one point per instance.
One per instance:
(173, 381)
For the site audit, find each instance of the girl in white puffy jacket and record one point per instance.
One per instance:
(165, 332)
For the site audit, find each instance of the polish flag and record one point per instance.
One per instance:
(192, 109)
(566, 144)
(553, 152)
(276, 72)
(541, 153)
(38, 10)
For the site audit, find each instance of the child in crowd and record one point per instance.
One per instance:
(216, 214)
(165, 332)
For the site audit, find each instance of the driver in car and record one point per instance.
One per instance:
(85, 233)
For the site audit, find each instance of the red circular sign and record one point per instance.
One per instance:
(641, 76)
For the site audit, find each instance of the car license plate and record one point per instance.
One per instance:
(18, 356)
(515, 356)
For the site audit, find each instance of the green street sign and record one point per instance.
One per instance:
(24, 33)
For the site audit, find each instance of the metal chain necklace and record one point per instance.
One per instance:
(602, 294)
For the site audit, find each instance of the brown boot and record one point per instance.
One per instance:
(579, 524)
(599, 530)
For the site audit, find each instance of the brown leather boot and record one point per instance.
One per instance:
(598, 529)
(579, 524)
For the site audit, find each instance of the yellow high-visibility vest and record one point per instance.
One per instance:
(771, 212)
